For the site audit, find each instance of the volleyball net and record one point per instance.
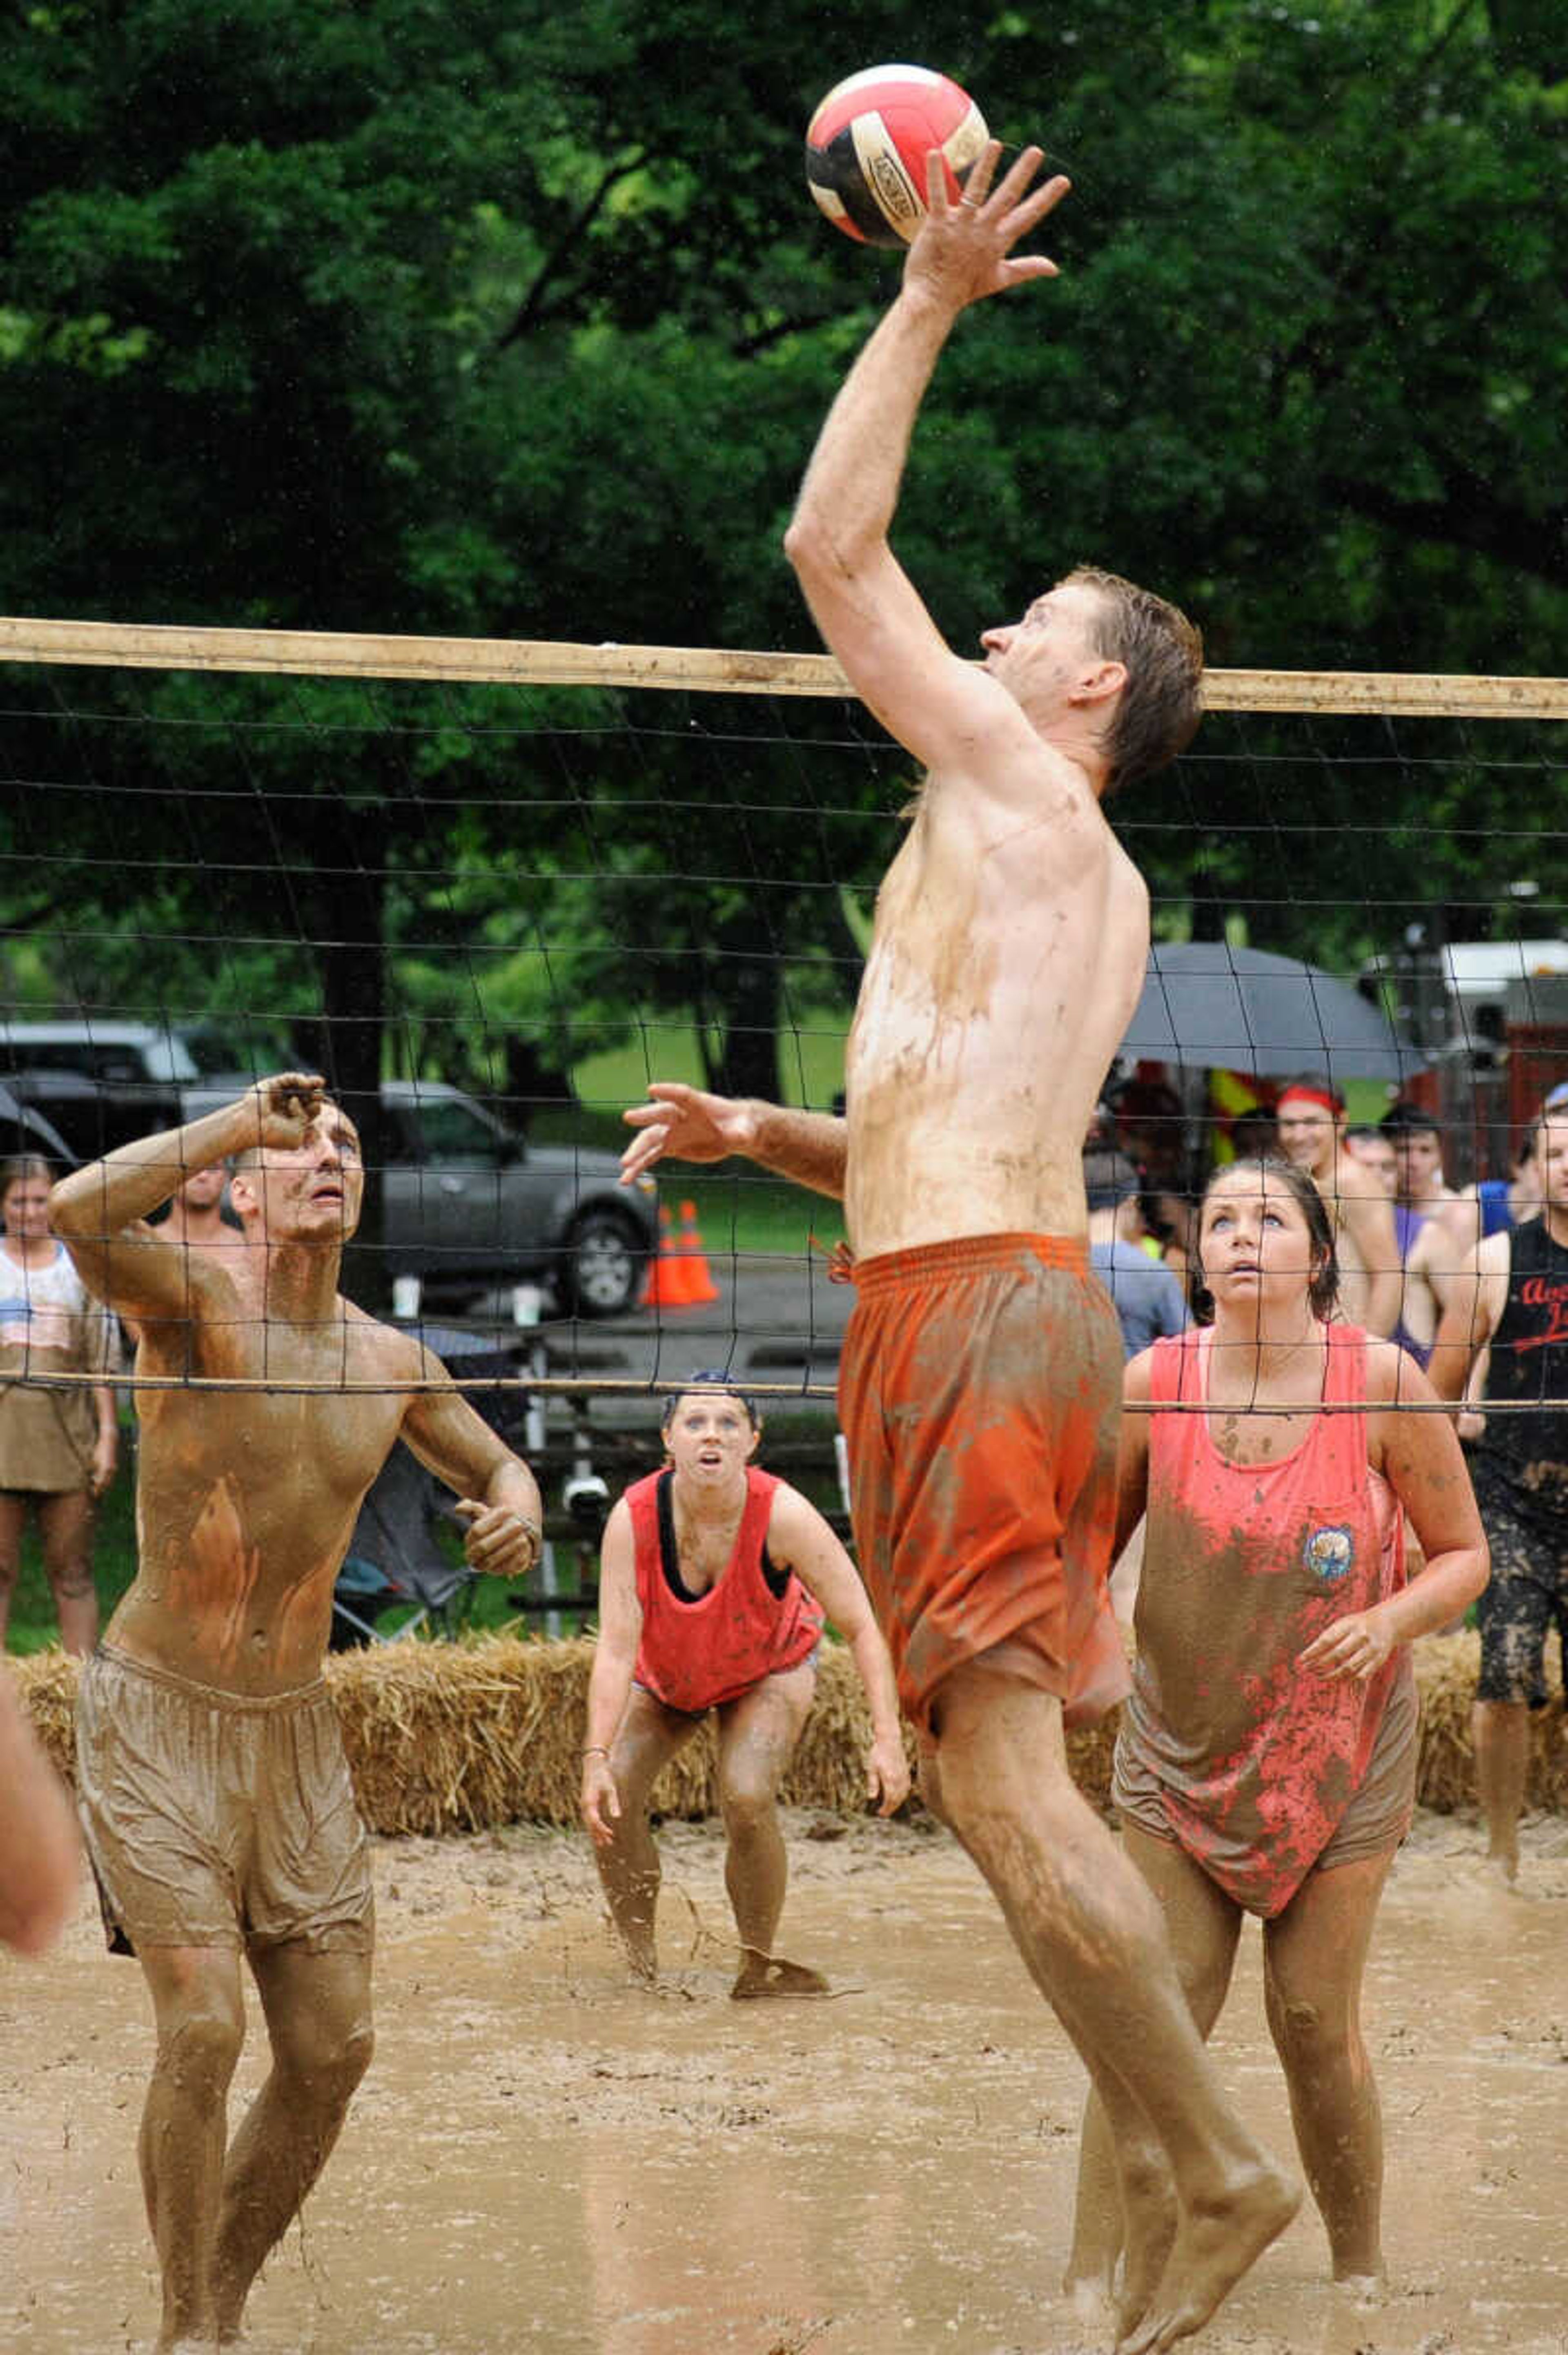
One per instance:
(492, 890)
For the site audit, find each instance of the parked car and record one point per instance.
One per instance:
(468, 1200)
(467, 1204)
(103, 1083)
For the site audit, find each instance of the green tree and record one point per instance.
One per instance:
(516, 321)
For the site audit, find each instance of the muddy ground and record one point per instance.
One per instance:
(545, 2158)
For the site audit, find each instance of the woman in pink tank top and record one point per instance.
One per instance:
(715, 1578)
(1266, 1758)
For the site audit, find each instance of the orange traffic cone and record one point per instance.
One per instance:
(697, 1277)
(667, 1284)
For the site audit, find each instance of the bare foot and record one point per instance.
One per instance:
(1350, 2301)
(1150, 2212)
(1091, 2297)
(1213, 2248)
(1360, 2289)
(763, 1975)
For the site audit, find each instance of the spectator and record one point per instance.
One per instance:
(1499, 1203)
(1374, 1151)
(1429, 1222)
(1146, 1295)
(58, 1446)
(1312, 1134)
(1511, 1297)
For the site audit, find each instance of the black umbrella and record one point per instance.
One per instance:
(1205, 1003)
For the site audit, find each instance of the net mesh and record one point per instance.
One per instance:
(493, 893)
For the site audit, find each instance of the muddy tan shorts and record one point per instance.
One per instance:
(215, 1819)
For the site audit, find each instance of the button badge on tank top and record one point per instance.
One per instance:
(1329, 1553)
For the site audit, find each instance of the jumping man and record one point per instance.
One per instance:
(982, 1368)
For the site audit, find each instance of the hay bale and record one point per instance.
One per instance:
(462, 1737)
(46, 1683)
(1446, 1671)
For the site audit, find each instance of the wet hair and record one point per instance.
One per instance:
(1162, 702)
(1323, 1285)
(22, 1166)
(1406, 1119)
(710, 1378)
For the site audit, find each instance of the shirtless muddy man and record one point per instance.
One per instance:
(982, 1367)
(214, 1789)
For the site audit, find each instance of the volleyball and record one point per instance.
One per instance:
(866, 148)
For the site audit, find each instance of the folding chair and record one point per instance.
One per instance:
(395, 1557)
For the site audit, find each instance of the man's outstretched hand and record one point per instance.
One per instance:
(962, 252)
(682, 1124)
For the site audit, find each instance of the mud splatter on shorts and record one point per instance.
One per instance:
(979, 1394)
(1526, 1594)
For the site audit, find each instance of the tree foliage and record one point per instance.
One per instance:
(513, 319)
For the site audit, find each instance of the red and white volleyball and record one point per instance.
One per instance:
(867, 145)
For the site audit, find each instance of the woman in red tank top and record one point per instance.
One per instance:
(714, 1581)
(1265, 1762)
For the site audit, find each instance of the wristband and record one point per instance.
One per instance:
(595, 1753)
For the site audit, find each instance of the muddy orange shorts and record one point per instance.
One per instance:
(979, 1393)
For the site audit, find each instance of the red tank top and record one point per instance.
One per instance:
(1251, 1759)
(696, 1653)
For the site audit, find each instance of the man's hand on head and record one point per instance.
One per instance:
(285, 1106)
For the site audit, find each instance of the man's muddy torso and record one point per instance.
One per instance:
(246, 1500)
(1009, 954)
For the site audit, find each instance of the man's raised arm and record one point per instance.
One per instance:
(682, 1123)
(99, 1211)
(860, 595)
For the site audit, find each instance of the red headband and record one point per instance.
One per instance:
(1324, 1096)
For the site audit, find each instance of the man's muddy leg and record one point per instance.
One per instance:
(1499, 1734)
(317, 2009)
(201, 2018)
(1092, 1935)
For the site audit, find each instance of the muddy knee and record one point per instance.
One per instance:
(747, 1810)
(1305, 2037)
(327, 2067)
(197, 2049)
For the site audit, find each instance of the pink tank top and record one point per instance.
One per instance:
(1253, 1760)
(697, 1652)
